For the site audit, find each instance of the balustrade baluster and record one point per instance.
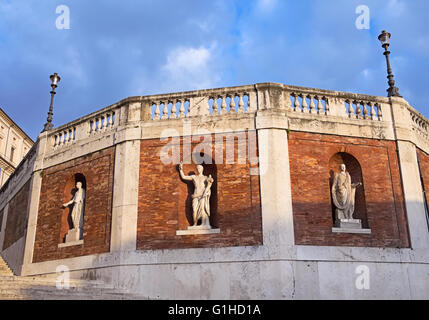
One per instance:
(241, 104)
(232, 104)
(296, 104)
(173, 110)
(372, 114)
(365, 111)
(304, 103)
(327, 107)
(182, 108)
(312, 105)
(157, 112)
(164, 110)
(320, 106)
(223, 106)
(351, 110)
(215, 106)
(380, 112)
(358, 110)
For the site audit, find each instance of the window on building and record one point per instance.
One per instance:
(12, 153)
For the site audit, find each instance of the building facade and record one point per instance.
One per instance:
(274, 153)
(14, 145)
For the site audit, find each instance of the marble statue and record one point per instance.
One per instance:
(201, 196)
(77, 213)
(343, 194)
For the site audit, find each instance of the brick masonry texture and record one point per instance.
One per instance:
(424, 169)
(314, 159)
(53, 220)
(17, 216)
(165, 203)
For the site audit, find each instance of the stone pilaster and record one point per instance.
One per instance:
(125, 189)
(410, 173)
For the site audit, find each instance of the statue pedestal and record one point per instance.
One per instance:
(350, 226)
(192, 230)
(72, 238)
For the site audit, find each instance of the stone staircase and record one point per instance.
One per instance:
(40, 288)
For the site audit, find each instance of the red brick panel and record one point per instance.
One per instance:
(165, 203)
(310, 156)
(17, 216)
(52, 221)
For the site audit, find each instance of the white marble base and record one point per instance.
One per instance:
(351, 230)
(349, 224)
(73, 235)
(69, 244)
(197, 230)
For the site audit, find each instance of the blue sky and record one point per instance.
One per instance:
(115, 49)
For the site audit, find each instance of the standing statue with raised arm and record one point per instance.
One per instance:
(201, 196)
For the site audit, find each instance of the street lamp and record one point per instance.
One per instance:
(384, 38)
(54, 82)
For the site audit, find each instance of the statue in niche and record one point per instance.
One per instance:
(78, 202)
(201, 196)
(343, 195)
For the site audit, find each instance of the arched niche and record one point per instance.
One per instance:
(69, 192)
(354, 168)
(210, 168)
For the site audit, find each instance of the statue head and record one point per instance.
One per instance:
(200, 169)
(343, 167)
(79, 185)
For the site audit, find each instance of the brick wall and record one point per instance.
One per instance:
(312, 160)
(16, 223)
(52, 221)
(165, 204)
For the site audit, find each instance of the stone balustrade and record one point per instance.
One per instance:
(320, 102)
(102, 122)
(292, 101)
(65, 137)
(91, 125)
(200, 103)
(419, 123)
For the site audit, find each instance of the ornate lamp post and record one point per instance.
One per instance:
(384, 38)
(54, 82)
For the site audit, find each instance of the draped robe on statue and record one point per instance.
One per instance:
(343, 195)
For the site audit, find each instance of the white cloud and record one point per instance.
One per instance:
(266, 5)
(73, 67)
(366, 73)
(396, 8)
(190, 68)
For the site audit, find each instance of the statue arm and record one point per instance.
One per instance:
(68, 203)
(182, 174)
